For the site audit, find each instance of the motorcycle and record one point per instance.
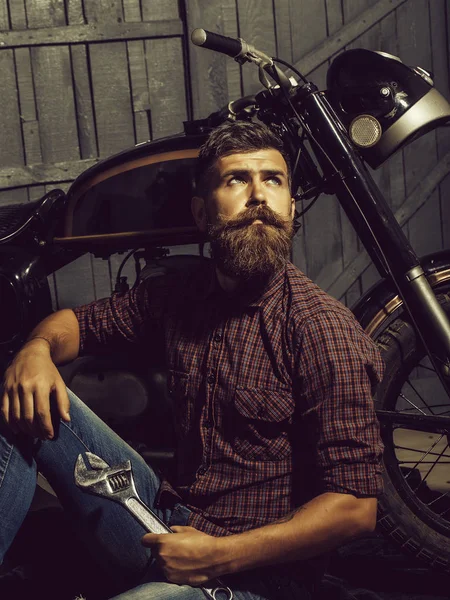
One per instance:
(138, 202)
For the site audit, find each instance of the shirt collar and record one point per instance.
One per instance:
(243, 298)
(275, 283)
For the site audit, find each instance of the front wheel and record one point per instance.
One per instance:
(414, 510)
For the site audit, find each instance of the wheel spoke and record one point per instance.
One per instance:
(402, 395)
(408, 381)
(439, 498)
(446, 510)
(430, 469)
(408, 449)
(425, 462)
(425, 455)
(426, 367)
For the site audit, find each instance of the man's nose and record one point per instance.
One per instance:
(257, 194)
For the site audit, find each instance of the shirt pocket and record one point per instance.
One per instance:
(260, 423)
(182, 406)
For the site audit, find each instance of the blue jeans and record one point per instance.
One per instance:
(110, 533)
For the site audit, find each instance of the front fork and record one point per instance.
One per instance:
(377, 227)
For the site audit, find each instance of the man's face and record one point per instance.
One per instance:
(248, 214)
(250, 179)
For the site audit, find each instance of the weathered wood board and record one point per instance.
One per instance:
(166, 90)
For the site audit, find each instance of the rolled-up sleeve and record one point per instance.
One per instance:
(116, 322)
(338, 368)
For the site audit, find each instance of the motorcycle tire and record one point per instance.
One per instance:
(414, 512)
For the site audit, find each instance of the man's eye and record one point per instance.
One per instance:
(275, 180)
(236, 179)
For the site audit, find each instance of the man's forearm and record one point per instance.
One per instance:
(319, 526)
(62, 333)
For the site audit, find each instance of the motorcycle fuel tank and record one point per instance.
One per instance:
(138, 197)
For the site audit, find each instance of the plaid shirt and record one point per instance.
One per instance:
(272, 396)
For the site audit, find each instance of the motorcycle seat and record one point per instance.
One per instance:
(14, 216)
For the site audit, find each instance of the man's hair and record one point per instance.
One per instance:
(232, 138)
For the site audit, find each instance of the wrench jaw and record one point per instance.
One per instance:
(95, 462)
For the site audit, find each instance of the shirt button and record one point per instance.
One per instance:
(218, 336)
(210, 379)
(208, 424)
(201, 470)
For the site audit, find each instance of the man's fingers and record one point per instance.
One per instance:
(5, 407)
(184, 529)
(42, 414)
(26, 422)
(151, 539)
(62, 401)
(14, 410)
(27, 408)
(30, 412)
(7, 403)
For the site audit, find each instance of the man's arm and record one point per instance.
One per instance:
(95, 327)
(32, 376)
(320, 525)
(62, 333)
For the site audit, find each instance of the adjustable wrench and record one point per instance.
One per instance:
(117, 484)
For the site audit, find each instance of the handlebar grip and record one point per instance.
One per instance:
(214, 41)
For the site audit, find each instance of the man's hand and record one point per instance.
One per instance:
(29, 382)
(189, 557)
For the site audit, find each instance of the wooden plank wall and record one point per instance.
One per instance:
(73, 102)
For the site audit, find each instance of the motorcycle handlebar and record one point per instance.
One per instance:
(214, 41)
(241, 51)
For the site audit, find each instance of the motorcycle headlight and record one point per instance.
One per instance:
(383, 103)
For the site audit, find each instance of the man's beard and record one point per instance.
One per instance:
(251, 252)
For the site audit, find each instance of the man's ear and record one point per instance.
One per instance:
(292, 208)
(198, 210)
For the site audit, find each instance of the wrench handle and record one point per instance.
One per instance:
(146, 517)
(153, 524)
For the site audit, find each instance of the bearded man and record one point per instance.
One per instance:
(278, 451)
